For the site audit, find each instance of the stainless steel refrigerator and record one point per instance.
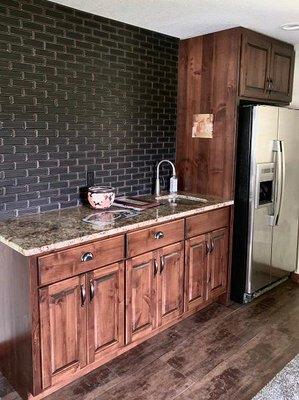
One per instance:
(265, 247)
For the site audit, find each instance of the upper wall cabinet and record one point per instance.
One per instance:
(266, 71)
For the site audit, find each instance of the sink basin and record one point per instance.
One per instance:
(182, 199)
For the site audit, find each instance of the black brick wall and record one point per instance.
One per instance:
(80, 93)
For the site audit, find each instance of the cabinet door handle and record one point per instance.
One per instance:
(83, 295)
(208, 248)
(159, 235)
(87, 257)
(91, 288)
(212, 246)
(162, 263)
(155, 267)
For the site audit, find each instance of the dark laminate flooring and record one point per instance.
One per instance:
(221, 353)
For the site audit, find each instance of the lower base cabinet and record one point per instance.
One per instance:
(206, 267)
(217, 263)
(196, 272)
(63, 330)
(90, 303)
(105, 310)
(154, 290)
(81, 320)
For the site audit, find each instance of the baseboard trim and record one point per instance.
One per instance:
(295, 277)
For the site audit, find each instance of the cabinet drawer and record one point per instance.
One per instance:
(207, 222)
(154, 237)
(64, 264)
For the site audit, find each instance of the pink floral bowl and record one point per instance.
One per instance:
(100, 197)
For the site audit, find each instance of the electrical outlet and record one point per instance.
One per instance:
(90, 178)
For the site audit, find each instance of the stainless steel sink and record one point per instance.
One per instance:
(182, 199)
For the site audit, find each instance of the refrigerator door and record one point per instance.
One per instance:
(285, 233)
(264, 133)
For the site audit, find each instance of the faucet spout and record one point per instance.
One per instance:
(173, 179)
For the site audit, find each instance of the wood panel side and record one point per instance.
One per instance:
(15, 322)
(208, 83)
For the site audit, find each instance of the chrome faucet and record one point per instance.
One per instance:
(173, 180)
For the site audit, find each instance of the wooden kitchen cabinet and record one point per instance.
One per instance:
(217, 263)
(206, 267)
(267, 67)
(281, 73)
(84, 314)
(141, 295)
(196, 271)
(255, 65)
(105, 311)
(154, 290)
(62, 308)
(170, 283)
(81, 321)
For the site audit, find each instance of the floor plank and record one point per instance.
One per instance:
(219, 353)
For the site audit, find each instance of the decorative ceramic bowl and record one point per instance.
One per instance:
(101, 197)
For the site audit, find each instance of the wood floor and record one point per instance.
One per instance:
(221, 353)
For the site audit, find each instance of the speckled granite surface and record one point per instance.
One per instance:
(36, 234)
(285, 385)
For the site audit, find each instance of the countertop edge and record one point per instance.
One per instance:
(111, 232)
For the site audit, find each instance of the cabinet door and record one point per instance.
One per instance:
(105, 310)
(141, 295)
(255, 63)
(170, 283)
(281, 75)
(217, 263)
(63, 329)
(196, 271)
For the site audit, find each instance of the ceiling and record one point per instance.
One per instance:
(188, 18)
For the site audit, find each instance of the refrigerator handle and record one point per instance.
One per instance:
(280, 179)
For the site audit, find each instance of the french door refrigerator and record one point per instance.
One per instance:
(265, 247)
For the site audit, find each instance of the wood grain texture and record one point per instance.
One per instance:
(282, 72)
(233, 346)
(171, 283)
(216, 71)
(67, 263)
(105, 310)
(255, 65)
(295, 277)
(207, 222)
(217, 263)
(63, 329)
(15, 320)
(144, 240)
(208, 83)
(196, 266)
(141, 296)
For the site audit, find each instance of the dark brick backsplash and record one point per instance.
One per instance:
(80, 93)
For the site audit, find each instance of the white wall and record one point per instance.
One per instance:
(295, 102)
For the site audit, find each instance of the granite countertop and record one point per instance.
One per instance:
(55, 230)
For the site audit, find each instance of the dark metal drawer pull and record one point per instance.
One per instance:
(159, 235)
(87, 257)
